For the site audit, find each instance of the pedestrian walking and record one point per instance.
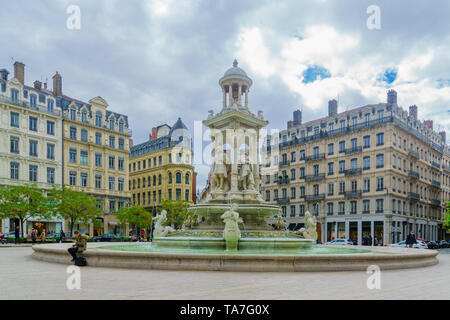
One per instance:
(62, 236)
(411, 239)
(17, 235)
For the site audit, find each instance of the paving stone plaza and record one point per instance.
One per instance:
(26, 278)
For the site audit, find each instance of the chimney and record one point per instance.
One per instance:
(57, 84)
(444, 136)
(392, 97)
(332, 108)
(19, 71)
(413, 112)
(429, 124)
(154, 134)
(297, 118)
(38, 85)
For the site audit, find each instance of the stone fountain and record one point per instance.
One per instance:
(233, 215)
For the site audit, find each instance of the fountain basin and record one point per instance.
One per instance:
(352, 259)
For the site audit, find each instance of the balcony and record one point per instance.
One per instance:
(284, 163)
(413, 196)
(435, 164)
(26, 105)
(315, 177)
(447, 168)
(283, 200)
(436, 202)
(353, 171)
(284, 181)
(414, 154)
(315, 157)
(436, 183)
(353, 150)
(315, 197)
(353, 194)
(413, 174)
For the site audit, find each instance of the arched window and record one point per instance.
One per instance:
(187, 178)
(111, 123)
(178, 177)
(120, 126)
(84, 116)
(170, 177)
(73, 114)
(149, 181)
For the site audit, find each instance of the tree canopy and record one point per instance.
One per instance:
(177, 212)
(135, 215)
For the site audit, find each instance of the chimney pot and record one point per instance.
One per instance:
(57, 84)
(332, 108)
(38, 85)
(392, 97)
(297, 118)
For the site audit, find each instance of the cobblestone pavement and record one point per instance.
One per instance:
(25, 278)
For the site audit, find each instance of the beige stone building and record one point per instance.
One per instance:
(372, 171)
(161, 168)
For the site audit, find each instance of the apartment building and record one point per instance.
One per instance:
(369, 171)
(161, 168)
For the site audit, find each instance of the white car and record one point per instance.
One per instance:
(340, 242)
(418, 245)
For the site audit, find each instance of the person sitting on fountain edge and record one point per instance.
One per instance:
(79, 246)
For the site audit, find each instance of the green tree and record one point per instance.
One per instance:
(137, 216)
(74, 206)
(22, 203)
(177, 212)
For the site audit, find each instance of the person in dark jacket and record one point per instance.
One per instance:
(411, 239)
(17, 235)
(62, 236)
(79, 246)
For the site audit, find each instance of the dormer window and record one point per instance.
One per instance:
(14, 95)
(111, 124)
(98, 119)
(50, 105)
(33, 100)
(120, 126)
(84, 116)
(73, 114)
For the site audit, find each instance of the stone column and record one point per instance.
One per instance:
(336, 230)
(325, 237)
(246, 97)
(359, 232)
(224, 97)
(347, 229)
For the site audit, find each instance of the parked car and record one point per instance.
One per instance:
(443, 244)
(340, 242)
(432, 245)
(104, 238)
(420, 244)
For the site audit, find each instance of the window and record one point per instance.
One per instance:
(366, 141)
(354, 143)
(293, 195)
(302, 155)
(366, 185)
(341, 209)
(84, 179)
(331, 189)
(380, 160)
(292, 174)
(341, 166)
(112, 141)
(98, 159)
(293, 156)
(330, 208)
(73, 155)
(14, 119)
(301, 210)
(51, 128)
(353, 207)
(33, 148)
(32, 100)
(178, 194)
(366, 163)
(331, 168)
(341, 187)
(73, 133)
(84, 135)
(341, 146)
(380, 183)
(366, 206)
(186, 195)
(380, 204)
(111, 124)
(84, 157)
(14, 170)
(302, 173)
(380, 139)
(98, 138)
(354, 163)
(33, 124)
(112, 182)
(51, 175)
(98, 181)
(112, 205)
(14, 145)
(120, 126)
(178, 177)
(292, 208)
(50, 151)
(73, 178)
(160, 179)
(331, 149)
(111, 162)
(83, 116)
(380, 115)
(120, 184)
(186, 180)
(14, 95)
(121, 144)
(73, 114)
(98, 119)
(120, 164)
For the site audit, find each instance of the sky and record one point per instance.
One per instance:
(157, 60)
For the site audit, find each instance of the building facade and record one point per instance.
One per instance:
(31, 140)
(54, 140)
(161, 168)
(370, 171)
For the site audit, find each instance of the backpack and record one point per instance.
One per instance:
(80, 262)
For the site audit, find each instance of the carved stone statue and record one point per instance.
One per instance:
(219, 177)
(160, 230)
(280, 223)
(231, 233)
(247, 180)
(310, 232)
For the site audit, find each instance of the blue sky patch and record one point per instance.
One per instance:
(388, 76)
(312, 73)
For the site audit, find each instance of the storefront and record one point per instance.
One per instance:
(367, 230)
